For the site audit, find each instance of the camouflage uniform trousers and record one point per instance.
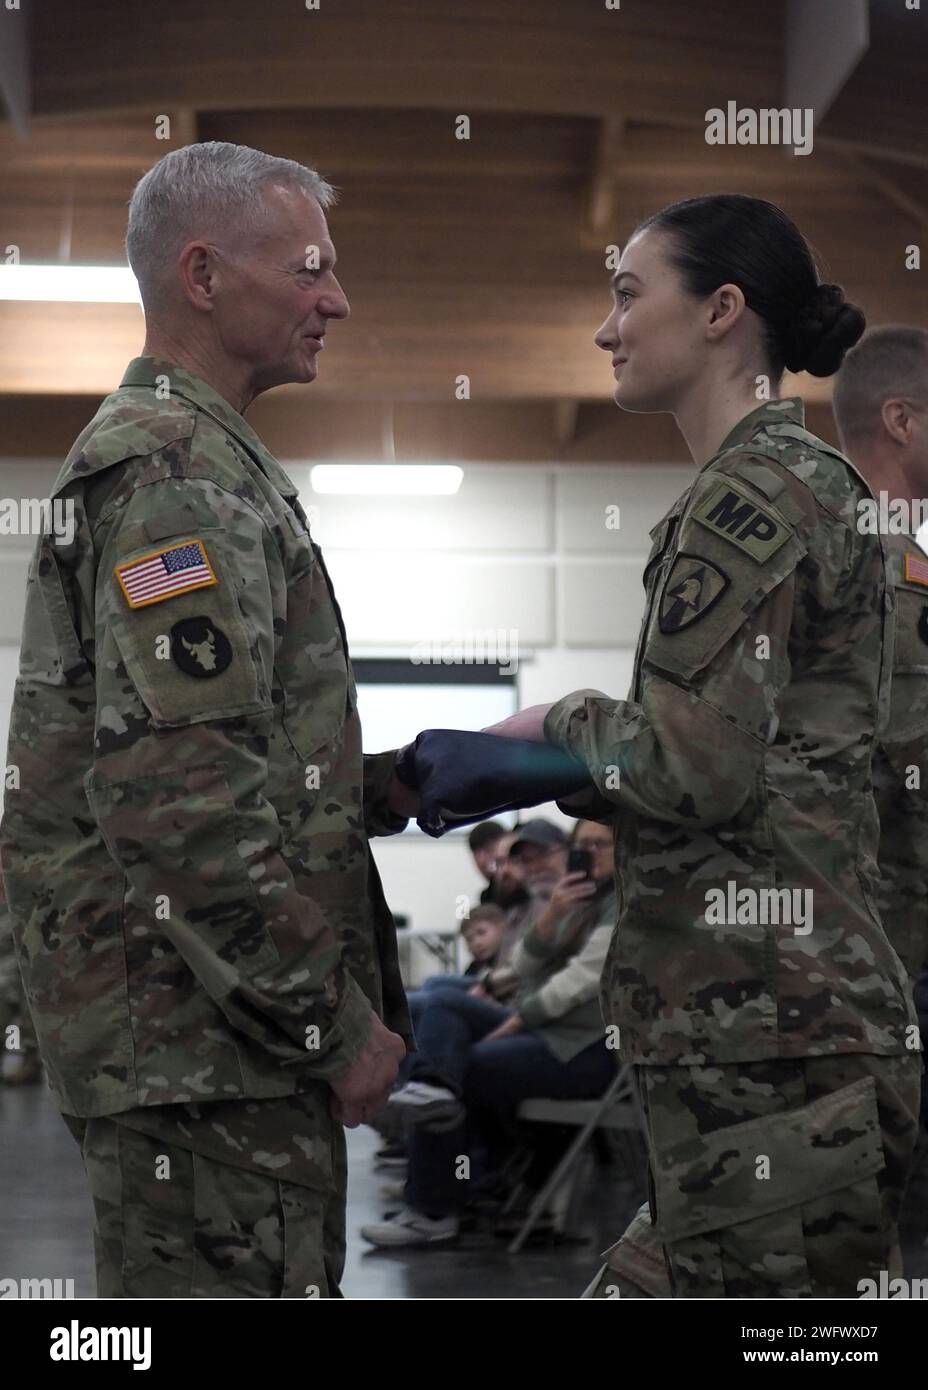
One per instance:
(210, 1230)
(13, 1006)
(779, 1179)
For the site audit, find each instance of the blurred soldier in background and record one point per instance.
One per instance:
(880, 404)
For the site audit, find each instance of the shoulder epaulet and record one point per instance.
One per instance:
(122, 430)
(771, 484)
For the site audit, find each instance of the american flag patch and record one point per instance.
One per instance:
(167, 573)
(916, 568)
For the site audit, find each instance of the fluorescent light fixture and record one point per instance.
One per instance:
(70, 284)
(387, 479)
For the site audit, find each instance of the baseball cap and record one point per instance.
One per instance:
(538, 832)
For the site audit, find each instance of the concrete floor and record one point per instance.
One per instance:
(46, 1222)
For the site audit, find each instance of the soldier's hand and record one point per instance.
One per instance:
(402, 800)
(528, 723)
(363, 1089)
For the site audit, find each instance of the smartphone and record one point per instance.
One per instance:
(580, 861)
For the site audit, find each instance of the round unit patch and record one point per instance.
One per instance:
(923, 624)
(199, 647)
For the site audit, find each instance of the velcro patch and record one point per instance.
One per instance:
(166, 573)
(730, 511)
(916, 568)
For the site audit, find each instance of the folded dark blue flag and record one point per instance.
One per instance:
(463, 777)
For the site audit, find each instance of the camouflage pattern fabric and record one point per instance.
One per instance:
(900, 764)
(198, 917)
(14, 1011)
(741, 765)
(171, 1223)
(776, 1179)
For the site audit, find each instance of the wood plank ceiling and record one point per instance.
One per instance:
(482, 256)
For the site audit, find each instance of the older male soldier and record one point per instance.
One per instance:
(202, 931)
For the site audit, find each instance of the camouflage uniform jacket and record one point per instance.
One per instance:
(742, 762)
(900, 764)
(198, 915)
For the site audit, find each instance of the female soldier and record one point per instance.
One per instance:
(748, 977)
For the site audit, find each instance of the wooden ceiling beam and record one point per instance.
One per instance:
(297, 425)
(488, 55)
(889, 188)
(601, 205)
(566, 412)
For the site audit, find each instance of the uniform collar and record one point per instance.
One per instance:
(788, 410)
(144, 371)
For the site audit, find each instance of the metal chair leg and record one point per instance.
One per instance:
(560, 1172)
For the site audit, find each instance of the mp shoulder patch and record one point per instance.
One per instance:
(693, 585)
(177, 569)
(730, 511)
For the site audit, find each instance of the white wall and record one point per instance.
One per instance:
(519, 548)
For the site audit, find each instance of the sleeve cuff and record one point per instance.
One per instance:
(348, 1036)
(379, 819)
(557, 725)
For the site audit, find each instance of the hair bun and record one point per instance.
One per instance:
(822, 331)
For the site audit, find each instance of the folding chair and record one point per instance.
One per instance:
(619, 1107)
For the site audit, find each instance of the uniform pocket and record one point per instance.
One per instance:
(787, 1205)
(51, 649)
(768, 1164)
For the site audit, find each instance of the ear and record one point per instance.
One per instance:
(196, 270)
(725, 309)
(898, 421)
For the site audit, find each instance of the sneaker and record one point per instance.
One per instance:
(410, 1227)
(422, 1103)
(392, 1190)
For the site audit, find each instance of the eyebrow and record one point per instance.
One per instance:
(621, 274)
(326, 262)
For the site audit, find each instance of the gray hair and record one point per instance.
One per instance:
(205, 190)
(889, 362)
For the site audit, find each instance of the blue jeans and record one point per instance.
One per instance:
(417, 999)
(491, 1078)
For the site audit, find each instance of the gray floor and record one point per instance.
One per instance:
(46, 1222)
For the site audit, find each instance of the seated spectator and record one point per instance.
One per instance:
(483, 934)
(479, 1058)
(528, 860)
(525, 877)
(486, 844)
